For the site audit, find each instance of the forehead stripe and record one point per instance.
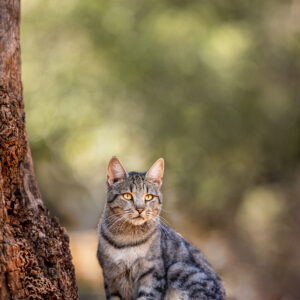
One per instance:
(113, 199)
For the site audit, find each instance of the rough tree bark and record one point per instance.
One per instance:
(35, 260)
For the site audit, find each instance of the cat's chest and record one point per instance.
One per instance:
(127, 256)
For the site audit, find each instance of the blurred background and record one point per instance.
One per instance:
(211, 86)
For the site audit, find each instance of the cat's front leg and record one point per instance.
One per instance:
(111, 295)
(115, 297)
(150, 285)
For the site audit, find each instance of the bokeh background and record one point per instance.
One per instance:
(211, 86)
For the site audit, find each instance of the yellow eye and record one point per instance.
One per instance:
(127, 196)
(148, 197)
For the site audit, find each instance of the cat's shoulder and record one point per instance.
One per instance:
(169, 233)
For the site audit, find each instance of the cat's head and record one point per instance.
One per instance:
(134, 197)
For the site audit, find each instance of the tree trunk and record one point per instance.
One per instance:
(35, 260)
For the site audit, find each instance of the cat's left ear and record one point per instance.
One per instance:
(156, 172)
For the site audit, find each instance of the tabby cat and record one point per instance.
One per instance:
(140, 257)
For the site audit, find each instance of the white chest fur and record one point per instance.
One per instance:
(127, 255)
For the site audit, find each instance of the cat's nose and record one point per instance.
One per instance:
(140, 210)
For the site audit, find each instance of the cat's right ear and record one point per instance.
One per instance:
(115, 171)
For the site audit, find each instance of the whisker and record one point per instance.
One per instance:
(112, 217)
(166, 211)
(164, 230)
(110, 225)
(164, 221)
(120, 227)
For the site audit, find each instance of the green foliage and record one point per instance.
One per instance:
(212, 86)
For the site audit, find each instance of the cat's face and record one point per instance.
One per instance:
(133, 197)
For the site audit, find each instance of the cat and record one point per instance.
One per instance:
(140, 257)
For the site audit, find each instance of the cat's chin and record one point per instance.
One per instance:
(138, 221)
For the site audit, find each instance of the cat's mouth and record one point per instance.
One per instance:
(138, 220)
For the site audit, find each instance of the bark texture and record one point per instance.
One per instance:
(35, 260)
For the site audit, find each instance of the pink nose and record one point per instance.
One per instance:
(140, 210)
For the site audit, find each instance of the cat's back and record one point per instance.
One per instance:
(187, 269)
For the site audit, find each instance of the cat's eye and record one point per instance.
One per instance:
(127, 196)
(148, 197)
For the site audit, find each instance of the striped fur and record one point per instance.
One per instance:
(143, 259)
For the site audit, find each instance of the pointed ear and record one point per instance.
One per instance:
(156, 172)
(115, 171)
